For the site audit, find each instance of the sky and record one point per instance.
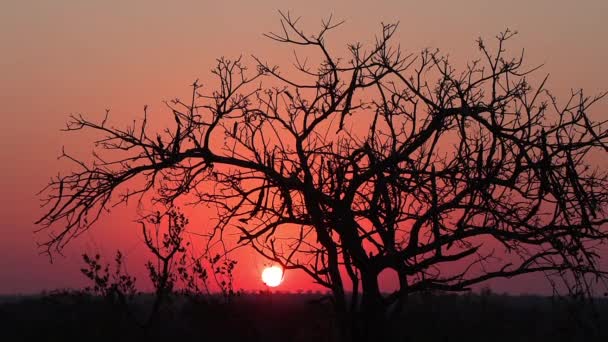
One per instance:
(69, 56)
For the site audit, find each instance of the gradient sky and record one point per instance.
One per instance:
(71, 56)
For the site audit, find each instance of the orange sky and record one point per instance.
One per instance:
(71, 56)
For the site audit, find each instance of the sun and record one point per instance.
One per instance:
(272, 276)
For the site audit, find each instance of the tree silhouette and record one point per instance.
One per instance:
(381, 160)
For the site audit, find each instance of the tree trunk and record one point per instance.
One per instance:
(371, 323)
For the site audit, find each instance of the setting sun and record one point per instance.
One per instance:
(272, 276)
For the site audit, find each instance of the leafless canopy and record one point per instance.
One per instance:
(345, 167)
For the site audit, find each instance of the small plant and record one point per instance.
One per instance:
(165, 245)
(223, 269)
(193, 275)
(118, 286)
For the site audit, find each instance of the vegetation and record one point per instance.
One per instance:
(77, 316)
(174, 272)
(377, 161)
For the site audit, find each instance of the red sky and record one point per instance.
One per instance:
(70, 56)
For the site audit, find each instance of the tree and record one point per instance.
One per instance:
(379, 161)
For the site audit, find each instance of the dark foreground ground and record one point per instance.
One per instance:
(69, 316)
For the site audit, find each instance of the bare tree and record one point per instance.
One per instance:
(381, 160)
(168, 248)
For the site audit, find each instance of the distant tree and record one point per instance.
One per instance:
(381, 160)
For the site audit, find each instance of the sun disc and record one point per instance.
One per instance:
(272, 276)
